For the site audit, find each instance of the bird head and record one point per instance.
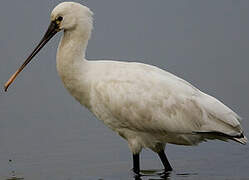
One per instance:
(70, 15)
(66, 16)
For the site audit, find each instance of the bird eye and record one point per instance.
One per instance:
(60, 18)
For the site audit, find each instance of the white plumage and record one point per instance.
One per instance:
(147, 106)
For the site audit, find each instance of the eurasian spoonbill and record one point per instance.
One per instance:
(147, 106)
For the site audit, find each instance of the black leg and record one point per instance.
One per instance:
(165, 161)
(136, 167)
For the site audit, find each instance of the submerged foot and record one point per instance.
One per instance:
(168, 169)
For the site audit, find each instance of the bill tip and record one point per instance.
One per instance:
(5, 88)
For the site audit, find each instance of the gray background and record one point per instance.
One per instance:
(48, 135)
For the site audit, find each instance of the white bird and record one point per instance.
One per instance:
(145, 105)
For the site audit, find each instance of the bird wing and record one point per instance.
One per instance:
(145, 98)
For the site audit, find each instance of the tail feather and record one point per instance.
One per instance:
(242, 140)
(224, 137)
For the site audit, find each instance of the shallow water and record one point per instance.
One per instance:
(93, 152)
(70, 144)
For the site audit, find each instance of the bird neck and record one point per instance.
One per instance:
(71, 64)
(73, 44)
(71, 50)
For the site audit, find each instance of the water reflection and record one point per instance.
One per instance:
(15, 178)
(153, 175)
(144, 175)
(13, 175)
(160, 175)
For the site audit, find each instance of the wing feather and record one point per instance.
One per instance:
(158, 102)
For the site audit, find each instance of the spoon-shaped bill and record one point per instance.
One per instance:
(52, 30)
